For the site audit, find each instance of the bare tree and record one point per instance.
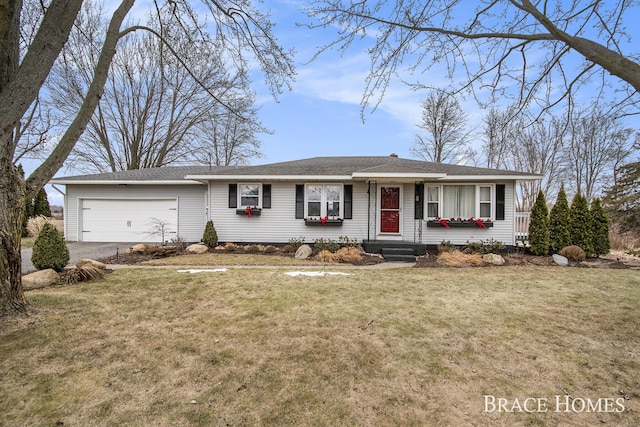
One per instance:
(153, 105)
(230, 139)
(526, 144)
(239, 28)
(596, 147)
(514, 48)
(442, 137)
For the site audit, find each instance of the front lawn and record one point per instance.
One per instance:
(375, 347)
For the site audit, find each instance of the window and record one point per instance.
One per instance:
(323, 200)
(249, 195)
(433, 202)
(461, 201)
(485, 202)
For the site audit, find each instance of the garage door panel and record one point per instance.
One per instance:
(119, 220)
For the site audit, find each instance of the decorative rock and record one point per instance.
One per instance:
(197, 249)
(140, 248)
(493, 259)
(303, 252)
(40, 279)
(93, 262)
(560, 260)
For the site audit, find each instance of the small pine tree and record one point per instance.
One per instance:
(28, 213)
(49, 250)
(600, 229)
(559, 232)
(581, 224)
(41, 204)
(539, 226)
(210, 236)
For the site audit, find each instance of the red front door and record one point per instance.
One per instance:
(390, 209)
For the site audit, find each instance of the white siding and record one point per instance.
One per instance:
(502, 231)
(191, 204)
(278, 224)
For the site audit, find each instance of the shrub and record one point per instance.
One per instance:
(326, 245)
(486, 246)
(50, 250)
(539, 226)
(347, 242)
(446, 246)
(41, 204)
(295, 243)
(35, 224)
(573, 253)
(326, 256)
(559, 223)
(600, 229)
(269, 249)
(581, 225)
(349, 254)
(458, 259)
(251, 249)
(210, 236)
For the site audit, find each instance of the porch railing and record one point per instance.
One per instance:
(522, 225)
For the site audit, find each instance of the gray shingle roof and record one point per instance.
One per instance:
(317, 166)
(363, 164)
(166, 173)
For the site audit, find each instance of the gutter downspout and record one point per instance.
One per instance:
(368, 210)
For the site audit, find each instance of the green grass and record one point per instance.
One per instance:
(231, 259)
(377, 347)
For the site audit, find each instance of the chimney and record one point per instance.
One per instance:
(393, 155)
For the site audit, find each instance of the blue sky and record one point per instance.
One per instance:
(320, 116)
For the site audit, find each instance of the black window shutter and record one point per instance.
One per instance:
(500, 195)
(266, 196)
(233, 195)
(348, 201)
(299, 201)
(419, 204)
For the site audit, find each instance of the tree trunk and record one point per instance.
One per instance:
(12, 195)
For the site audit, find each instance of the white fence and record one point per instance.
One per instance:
(522, 225)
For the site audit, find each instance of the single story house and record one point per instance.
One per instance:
(368, 198)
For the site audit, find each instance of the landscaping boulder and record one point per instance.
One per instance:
(197, 249)
(560, 260)
(303, 252)
(93, 262)
(40, 279)
(493, 259)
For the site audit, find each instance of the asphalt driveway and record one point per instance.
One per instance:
(78, 251)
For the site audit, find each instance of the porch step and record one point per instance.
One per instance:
(398, 254)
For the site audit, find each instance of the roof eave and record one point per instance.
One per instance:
(401, 176)
(122, 182)
(491, 178)
(269, 177)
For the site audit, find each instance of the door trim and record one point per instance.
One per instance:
(390, 235)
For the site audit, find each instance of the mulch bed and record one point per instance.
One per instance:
(428, 261)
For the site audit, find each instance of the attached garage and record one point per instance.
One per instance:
(133, 206)
(126, 220)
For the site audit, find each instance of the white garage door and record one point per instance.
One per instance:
(117, 220)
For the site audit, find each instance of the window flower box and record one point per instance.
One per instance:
(460, 223)
(249, 211)
(323, 222)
